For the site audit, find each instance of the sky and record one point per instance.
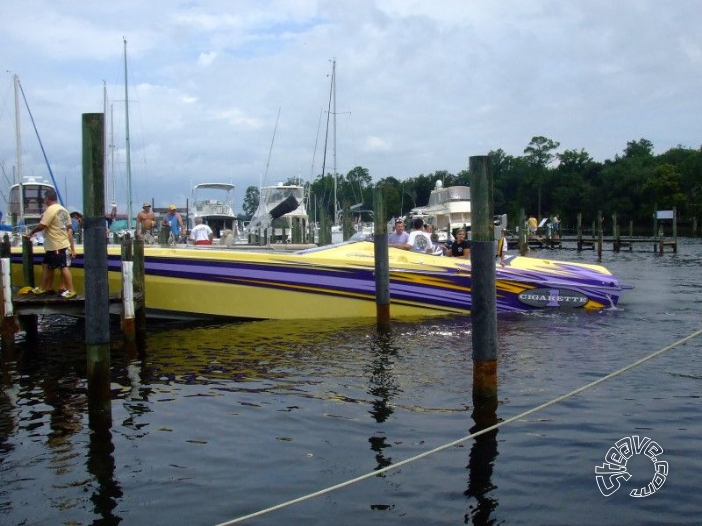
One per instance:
(239, 91)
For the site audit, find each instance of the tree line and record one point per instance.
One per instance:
(542, 182)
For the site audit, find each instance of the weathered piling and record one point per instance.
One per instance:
(9, 321)
(97, 319)
(484, 303)
(28, 261)
(600, 233)
(133, 288)
(382, 270)
(523, 233)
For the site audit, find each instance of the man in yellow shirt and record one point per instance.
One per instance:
(533, 225)
(55, 224)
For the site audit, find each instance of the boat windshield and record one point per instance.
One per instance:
(277, 194)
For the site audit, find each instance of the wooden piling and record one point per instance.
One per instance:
(9, 321)
(97, 320)
(523, 233)
(382, 265)
(484, 302)
(600, 233)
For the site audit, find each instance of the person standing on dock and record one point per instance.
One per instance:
(55, 224)
(146, 221)
(201, 234)
(556, 226)
(533, 225)
(173, 221)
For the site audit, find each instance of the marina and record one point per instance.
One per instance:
(215, 421)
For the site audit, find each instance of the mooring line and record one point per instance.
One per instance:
(468, 437)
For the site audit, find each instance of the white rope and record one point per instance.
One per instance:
(461, 440)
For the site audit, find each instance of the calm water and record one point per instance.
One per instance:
(215, 422)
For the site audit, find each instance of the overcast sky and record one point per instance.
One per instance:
(421, 85)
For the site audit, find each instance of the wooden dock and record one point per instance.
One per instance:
(657, 244)
(52, 304)
(21, 311)
(596, 239)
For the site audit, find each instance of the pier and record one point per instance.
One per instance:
(21, 310)
(596, 240)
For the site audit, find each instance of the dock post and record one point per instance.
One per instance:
(675, 230)
(600, 233)
(523, 233)
(128, 323)
(483, 295)
(28, 262)
(615, 233)
(694, 226)
(579, 231)
(97, 306)
(140, 289)
(382, 265)
(9, 321)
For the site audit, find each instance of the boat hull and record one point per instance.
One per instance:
(339, 282)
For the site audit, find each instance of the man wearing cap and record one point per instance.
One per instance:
(398, 238)
(173, 221)
(146, 221)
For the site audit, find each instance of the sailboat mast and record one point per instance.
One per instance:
(336, 212)
(18, 145)
(113, 202)
(126, 120)
(104, 133)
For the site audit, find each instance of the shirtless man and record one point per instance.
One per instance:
(146, 220)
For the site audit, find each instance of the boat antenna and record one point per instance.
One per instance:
(126, 120)
(46, 159)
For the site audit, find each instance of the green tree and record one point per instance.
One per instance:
(251, 199)
(539, 154)
(640, 148)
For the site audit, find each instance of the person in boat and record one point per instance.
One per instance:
(55, 224)
(398, 237)
(460, 248)
(201, 234)
(146, 221)
(419, 240)
(174, 222)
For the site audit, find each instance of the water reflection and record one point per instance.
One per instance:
(101, 464)
(481, 463)
(383, 388)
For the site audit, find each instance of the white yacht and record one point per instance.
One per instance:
(450, 208)
(214, 203)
